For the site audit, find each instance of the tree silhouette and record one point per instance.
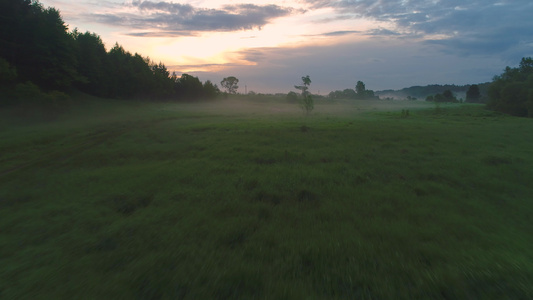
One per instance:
(230, 84)
(448, 95)
(38, 53)
(35, 40)
(473, 94)
(360, 90)
(210, 90)
(189, 87)
(307, 101)
(93, 64)
(349, 94)
(306, 82)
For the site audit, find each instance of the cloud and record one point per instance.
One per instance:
(341, 33)
(382, 32)
(175, 19)
(379, 63)
(335, 33)
(464, 27)
(385, 43)
(162, 34)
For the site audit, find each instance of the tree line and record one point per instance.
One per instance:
(39, 58)
(512, 91)
(473, 95)
(360, 92)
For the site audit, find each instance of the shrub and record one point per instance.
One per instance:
(307, 104)
(292, 96)
(32, 99)
(8, 73)
(28, 93)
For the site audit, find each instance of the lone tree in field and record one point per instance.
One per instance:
(230, 84)
(307, 101)
(360, 90)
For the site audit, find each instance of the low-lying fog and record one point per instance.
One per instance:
(251, 106)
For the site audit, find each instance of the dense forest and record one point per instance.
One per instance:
(41, 58)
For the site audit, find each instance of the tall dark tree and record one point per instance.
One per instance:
(210, 90)
(57, 56)
(130, 75)
(120, 73)
(37, 42)
(38, 55)
(93, 64)
(473, 94)
(163, 84)
(360, 90)
(189, 87)
(18, 18)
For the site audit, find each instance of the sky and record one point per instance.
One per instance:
(270, 44)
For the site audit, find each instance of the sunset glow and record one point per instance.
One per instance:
(350, 41)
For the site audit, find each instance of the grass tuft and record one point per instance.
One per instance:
(127, 204)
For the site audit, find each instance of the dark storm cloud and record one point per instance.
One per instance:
(467, 27)
(182, 19)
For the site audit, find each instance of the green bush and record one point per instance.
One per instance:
(8, 73)
(31, 99)
(28, 93)
(292, 96)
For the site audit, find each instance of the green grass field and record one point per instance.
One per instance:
(243, 199)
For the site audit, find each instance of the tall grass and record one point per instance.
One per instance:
(233, 200)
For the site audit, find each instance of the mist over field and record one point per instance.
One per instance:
(252, 107)
(127, 176)
(251, 197)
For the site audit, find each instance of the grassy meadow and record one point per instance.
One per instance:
(251, 199)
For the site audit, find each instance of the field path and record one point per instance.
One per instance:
(47, 158)
(62, 152)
